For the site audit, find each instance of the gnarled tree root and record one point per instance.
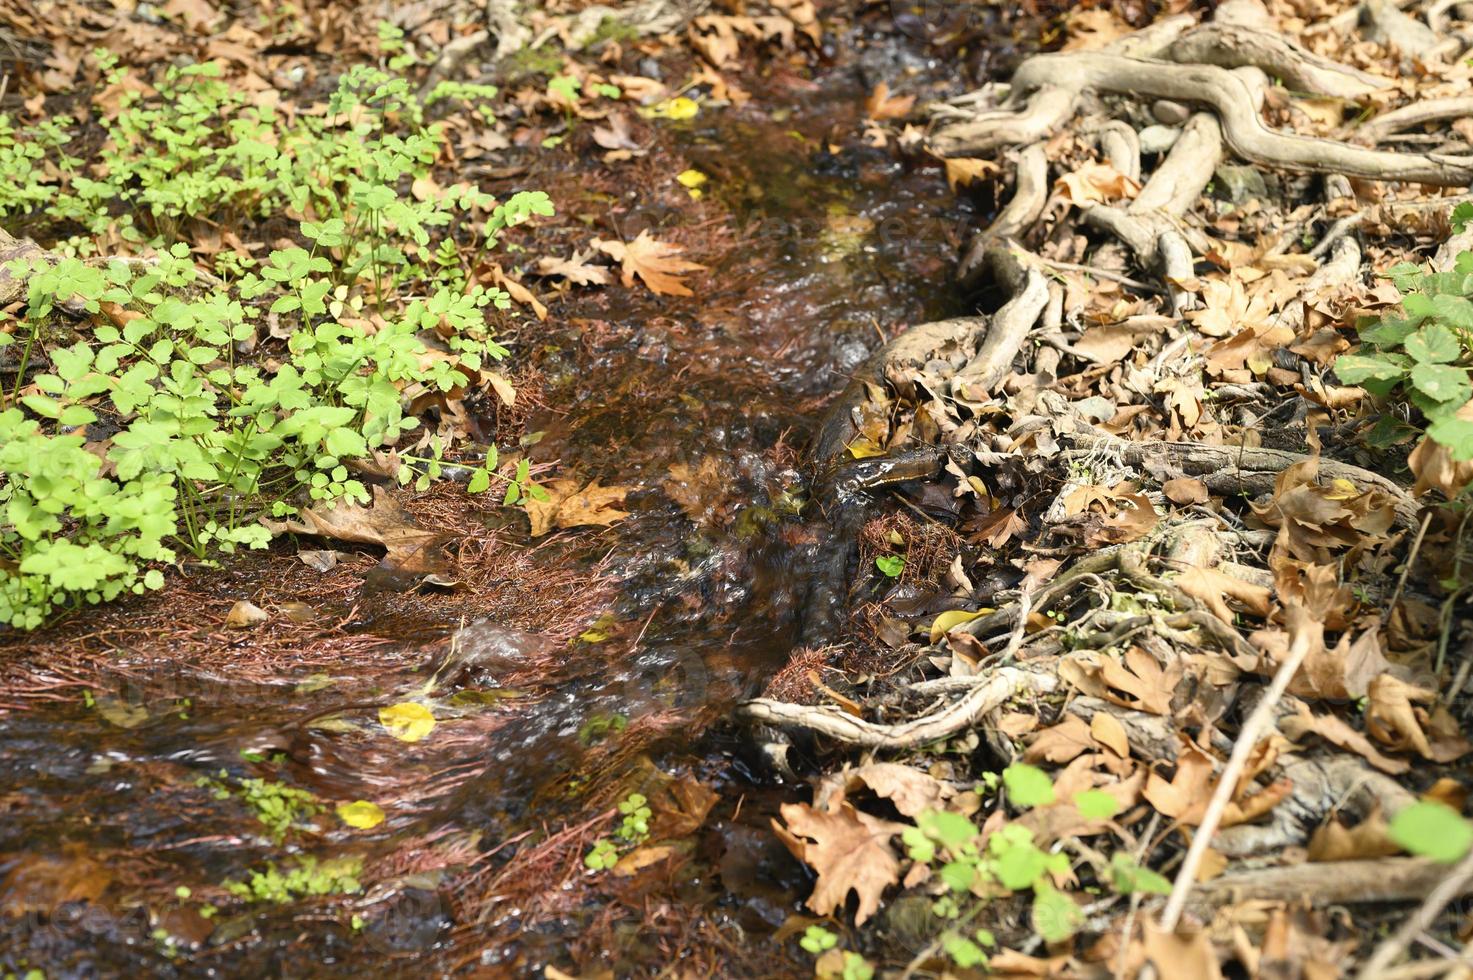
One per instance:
(1061, 78)
(991, 692)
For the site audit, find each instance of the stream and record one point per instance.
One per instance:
(835, 245)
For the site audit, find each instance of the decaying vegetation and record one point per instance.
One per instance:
(1220, 605)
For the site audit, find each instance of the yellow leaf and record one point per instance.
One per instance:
(950, 620)
(692, 180)
(864, 447)
(678, 109)
(361, 814)
(408, 722)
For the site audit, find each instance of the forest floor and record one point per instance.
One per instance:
(887, 489)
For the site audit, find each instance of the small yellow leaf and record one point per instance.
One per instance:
(408, 722)
(950, 620)
(692, 180)
(361, 814)
(864, 447)
(678, 109)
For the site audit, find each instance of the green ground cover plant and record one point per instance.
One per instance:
(152, 409)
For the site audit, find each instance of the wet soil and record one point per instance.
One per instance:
(564, 675)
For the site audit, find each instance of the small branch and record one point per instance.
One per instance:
(1456, 883)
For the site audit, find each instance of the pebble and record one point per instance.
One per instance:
(1170, 113)
(1158, 139)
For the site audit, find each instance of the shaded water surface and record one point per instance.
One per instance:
(836, 245)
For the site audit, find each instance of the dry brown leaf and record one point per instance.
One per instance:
(1185, 490)
(245, 614)
(1393, 718)
(1335, 731)
(1061, 743)
(911, 790)
(408, 548)
(576, 269)
(1096, 183)
(1213, 588)
(1138, 675)
(1431, 461)
(1108, 731)
(962, 171)
(652, 261)
(849, 851)
(881, 105)
(1368, 839)
(571, 504)
(1180, 954)
(1188, 789)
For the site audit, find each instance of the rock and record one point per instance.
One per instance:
(1158, 139)
(1239, 183)
(1170, 113)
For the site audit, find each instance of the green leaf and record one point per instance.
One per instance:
(1433, 344)
(1355, 368)
(43, 405)
(891, 565)
(1432, 830)
(1130, 877)
(1442, 382)
(1454, 433)
(1096, 804)
(952, 830)
(1027, 785)
(1055, 916)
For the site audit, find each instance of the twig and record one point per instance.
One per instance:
(1392, 949)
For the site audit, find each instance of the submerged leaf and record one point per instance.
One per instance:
(408, 721)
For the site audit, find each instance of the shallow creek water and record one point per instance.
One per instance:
(839, 244)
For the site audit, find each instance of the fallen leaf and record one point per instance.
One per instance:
(910, 790)
(1213, 588)
(569, 506)
(642, 857)
(652, 261)
(245, 614)
(1108, 731)
(1181, 954)
(1096, 183)
(1063, 742)
(408, 721)
(963, 171)
(318, 561)
(361, 814)
(950, 620)
(1335, 731)
(408, 549)
(1185, 490)
(881, 105)
(1368, 839)
(576, 269)
(849, 851)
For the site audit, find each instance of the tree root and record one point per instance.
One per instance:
(1030, 192)
(1234, 470)
(989, 694)
(1233, 46)
(1056, 81)
(1323, 884)
(1387, 124)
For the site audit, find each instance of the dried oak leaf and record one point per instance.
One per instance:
(409, 549)
(1367, 840)
(571, 504)
(652, 261)
(849, 850)
(576, 269)
(1096, 183)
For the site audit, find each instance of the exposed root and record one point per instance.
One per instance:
(1233, 46)
(1058, 79)
(986, 696)
(1323, 884)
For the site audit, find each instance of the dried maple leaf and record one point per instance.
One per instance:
(1064, 742)
(1335, 731)
(570, 504)
(576, 269)
(1393, 719)
(910, 790)
(962, 171)
(651, 260)
(880, 104)
(1097, 183)
(1213, 588)
(849, 850)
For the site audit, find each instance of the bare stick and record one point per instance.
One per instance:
(1452, 886)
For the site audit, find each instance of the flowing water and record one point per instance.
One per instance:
(836, 245)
